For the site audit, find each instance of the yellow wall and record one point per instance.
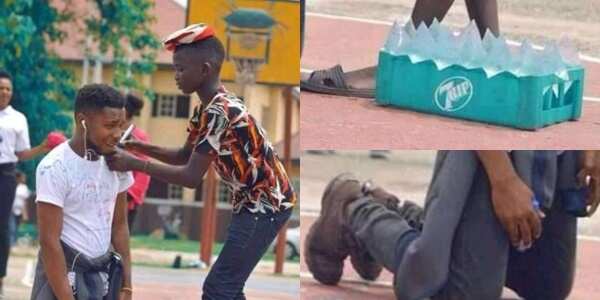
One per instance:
(284, 62)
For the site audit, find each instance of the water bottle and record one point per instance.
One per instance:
(536, 205)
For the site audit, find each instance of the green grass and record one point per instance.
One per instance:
(153, 243)
(184, 246)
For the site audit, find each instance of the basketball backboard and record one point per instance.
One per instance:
(266, 32)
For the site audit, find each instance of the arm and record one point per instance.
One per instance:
(511, 198)
(33, 152)
(120, 240)
(589, 176)
(189, 175)
(25, 213)
(50, 226)
(172, 156)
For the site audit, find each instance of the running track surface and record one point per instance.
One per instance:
(352, 288)
(333, 122)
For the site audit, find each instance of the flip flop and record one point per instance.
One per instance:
(332, 81)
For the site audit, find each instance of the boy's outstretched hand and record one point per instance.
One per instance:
(123, 161)
(589, 176)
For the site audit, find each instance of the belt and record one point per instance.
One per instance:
(7, 166)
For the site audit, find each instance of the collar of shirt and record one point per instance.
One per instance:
(7, 111)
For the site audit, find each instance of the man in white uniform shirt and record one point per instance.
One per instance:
(14, 147)
(82, 207)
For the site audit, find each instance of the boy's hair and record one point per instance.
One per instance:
(133, 105)
(211, 48)
(93, 97)
(4, 74)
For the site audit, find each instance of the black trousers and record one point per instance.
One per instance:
(8, 188)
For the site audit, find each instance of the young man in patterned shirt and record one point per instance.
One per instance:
(221, 131)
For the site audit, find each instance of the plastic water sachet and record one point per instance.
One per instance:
(393, 39)
(491, 53)
(472, 53)
(422, 44)
(499, 58)
(568, 52)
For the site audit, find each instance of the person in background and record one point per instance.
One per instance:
(137, 192)
(14, 147)
(19, 212)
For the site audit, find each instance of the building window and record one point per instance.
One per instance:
(173, 106)
(175, 192)
(224, 195)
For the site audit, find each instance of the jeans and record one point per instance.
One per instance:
(249, 236)
(463, 252)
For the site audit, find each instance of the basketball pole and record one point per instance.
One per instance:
(207, 233)
(287, 153)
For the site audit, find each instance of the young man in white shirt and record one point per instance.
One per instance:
(19, 211)
(82, 207)
(14, 147)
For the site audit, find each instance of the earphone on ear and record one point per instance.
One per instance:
(83, 124)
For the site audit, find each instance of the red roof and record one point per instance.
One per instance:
(169, 17)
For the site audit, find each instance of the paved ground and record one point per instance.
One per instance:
(331, 122)
(353, 288)
(167, 284)
(407, 174)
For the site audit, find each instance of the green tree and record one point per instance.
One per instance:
(44, 89)
(122, 25)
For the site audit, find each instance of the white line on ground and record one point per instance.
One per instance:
(583, 57)
(588, 238)
(334, 17)
(592, 99)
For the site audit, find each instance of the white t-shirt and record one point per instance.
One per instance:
(14, 134)
(86, 191)
(20, 198)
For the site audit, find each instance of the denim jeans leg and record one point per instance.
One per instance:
(249, 237)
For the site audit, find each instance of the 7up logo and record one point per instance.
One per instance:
(453, 93)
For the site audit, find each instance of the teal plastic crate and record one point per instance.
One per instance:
(528, 102)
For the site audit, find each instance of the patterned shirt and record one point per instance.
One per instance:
(245, 160)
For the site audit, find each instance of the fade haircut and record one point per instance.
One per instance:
(94, 97)
(210, 48)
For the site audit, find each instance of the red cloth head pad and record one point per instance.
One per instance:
(188, 35)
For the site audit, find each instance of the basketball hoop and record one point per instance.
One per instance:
(246, 69)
